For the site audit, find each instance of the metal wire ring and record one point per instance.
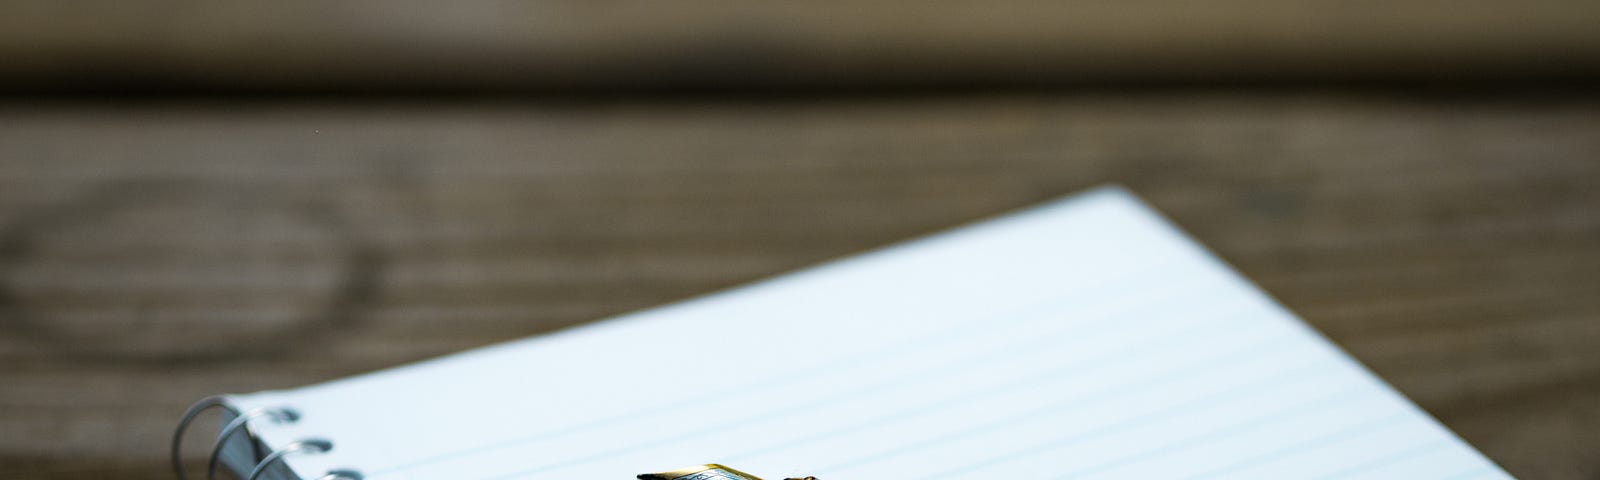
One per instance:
(278, 415)
(309, 446)
(183, 426)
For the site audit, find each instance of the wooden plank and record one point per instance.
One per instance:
(154, 254)
(412, 45)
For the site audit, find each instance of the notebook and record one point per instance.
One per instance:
(1083, 338)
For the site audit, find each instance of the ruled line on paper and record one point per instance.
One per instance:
(1253, 349)
(1364, 428)
(934, 373)
(1476, 472)
(1278, 416)
(960, 332)
(1388, 459)
(905, 414)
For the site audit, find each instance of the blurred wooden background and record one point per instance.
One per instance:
(712, 45)
(203, 197)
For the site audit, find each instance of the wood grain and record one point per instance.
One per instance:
(543, 45)
(152, 254)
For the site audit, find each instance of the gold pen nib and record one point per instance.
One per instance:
(709, 471)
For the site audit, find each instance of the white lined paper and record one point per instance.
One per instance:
(1086, 338)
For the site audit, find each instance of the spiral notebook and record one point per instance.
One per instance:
(1084, 338)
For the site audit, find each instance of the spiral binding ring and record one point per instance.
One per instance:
(242, 420)
(277, 415)
(308, 446)
(183, 426)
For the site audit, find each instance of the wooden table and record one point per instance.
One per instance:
(154, 253)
